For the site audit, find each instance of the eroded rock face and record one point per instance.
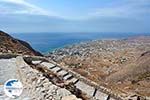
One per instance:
(9, 44)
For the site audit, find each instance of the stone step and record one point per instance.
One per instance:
(100, 95)
(36, 62)
(94, 92)
(48, 65)
(74, 80)
(52, 67)
(62, 72)
(89, 90)
(55, 69)
(59, 70)
(67, 76)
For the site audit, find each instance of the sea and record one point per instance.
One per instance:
(49, 41)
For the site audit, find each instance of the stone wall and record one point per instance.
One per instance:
(38, 86)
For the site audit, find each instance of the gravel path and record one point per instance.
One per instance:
(7, 69)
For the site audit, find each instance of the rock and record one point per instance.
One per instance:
(101, 96)
(89, 90)
(46, 85)
(36, 62)
(52, 89)
(62, 72)
(48, 65)
(63, 92)
(55, 69)
(67, 76)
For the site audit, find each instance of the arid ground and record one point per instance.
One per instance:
(121, 65)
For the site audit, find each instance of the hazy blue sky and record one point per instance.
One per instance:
(75, 15)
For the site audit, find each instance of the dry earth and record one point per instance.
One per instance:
(8, 44)
(121, 65)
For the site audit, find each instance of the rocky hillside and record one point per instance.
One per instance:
(121, 65)
(134, 77)
(9, 44)
(134, 72)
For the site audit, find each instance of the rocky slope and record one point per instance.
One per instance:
(134, 77)
(9, 44)
(134, 72)
(121, 65)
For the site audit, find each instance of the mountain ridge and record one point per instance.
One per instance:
(9, 44)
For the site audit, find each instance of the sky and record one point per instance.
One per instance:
(75, 16)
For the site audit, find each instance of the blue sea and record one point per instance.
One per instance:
(47, 42)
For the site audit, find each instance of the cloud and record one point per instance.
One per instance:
(22, 7)
(18, 7)
(124, 9)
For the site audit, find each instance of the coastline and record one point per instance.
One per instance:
(49, 42)
(109, 62)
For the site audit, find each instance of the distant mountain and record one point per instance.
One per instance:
(8, 44)
(139, 39)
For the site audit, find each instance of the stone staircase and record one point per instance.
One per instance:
(89, 90)
(88, 87)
